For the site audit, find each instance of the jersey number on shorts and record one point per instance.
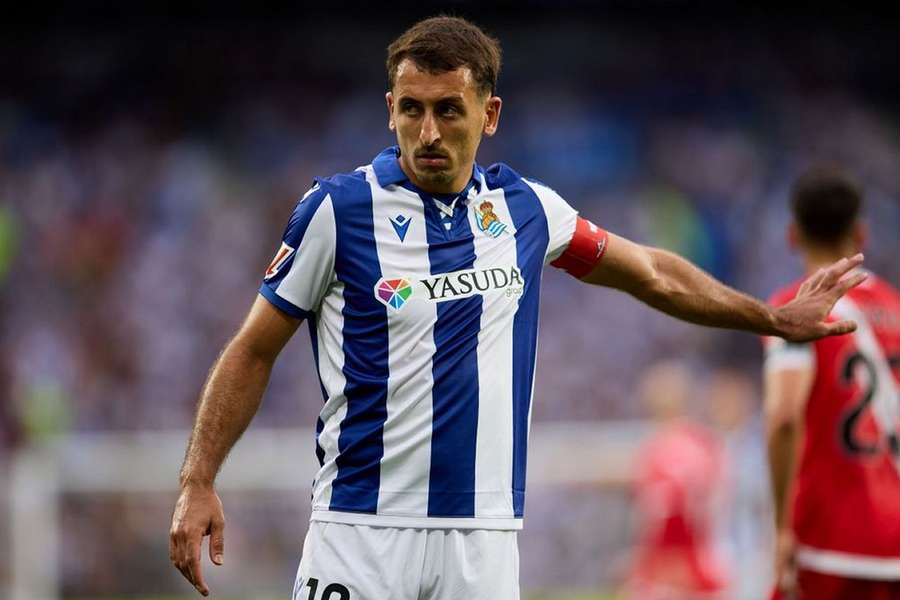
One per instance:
(331, 590)
(849, 422)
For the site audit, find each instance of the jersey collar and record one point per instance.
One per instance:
(388, 171)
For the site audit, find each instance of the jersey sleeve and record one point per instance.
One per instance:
(303, 267)
(782, 355)
(561, 219)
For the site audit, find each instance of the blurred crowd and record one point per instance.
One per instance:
(145, 183)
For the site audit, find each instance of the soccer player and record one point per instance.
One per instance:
(832, 411)
(680, 481)
(419, 275)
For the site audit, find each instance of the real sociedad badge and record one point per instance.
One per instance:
(487, 221)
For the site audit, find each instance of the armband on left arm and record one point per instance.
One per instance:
(585, 251)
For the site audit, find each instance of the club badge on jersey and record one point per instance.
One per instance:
(588, 245)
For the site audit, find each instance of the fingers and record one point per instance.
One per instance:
(848, 283)
(841, 327)
(184, 552)
(217, 541)
(842, 267)
(194, 569)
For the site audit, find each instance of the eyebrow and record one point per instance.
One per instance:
(450, 98)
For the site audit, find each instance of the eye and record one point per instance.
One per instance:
(410, 108)
(450, 110)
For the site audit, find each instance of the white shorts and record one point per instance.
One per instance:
(358, 562)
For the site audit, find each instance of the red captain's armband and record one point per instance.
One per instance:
(587, 247)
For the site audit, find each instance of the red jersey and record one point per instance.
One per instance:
(680, 475)
(846, 496)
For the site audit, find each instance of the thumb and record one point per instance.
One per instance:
(841, 327)
(217, 541)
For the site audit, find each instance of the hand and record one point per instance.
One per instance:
(198, 513)
(803, 319)
(786, 565)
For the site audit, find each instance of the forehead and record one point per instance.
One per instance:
(411, 81)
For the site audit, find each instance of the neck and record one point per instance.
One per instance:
(816, 257)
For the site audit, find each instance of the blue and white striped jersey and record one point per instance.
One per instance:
(425, 340)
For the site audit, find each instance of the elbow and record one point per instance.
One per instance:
(781, 424)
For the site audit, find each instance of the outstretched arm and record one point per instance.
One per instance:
(229, 400)
(673, 285)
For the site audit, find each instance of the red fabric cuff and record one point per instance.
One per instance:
(587, 247)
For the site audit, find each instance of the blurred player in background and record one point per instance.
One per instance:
(832, 411)
(679, 488)
(420, 277)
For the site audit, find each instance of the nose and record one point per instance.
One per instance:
(429, 134)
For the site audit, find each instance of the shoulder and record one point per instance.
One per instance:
(344, 188)
(502, 175)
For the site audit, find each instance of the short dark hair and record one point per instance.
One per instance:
(826, 202)
(442, 44)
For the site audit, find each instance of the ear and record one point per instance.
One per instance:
(492, 115)
(389, 99)
(860, 235)
(793, 237)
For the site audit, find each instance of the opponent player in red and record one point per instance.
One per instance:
(680, 482)
(832, 414)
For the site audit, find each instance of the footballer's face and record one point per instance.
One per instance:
(439, 120)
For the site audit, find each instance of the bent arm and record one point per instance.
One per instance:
(234, 389)
(786, 392)
(676, 287)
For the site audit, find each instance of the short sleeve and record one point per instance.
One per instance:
(561, 218)
(782, 355)
(303, 267)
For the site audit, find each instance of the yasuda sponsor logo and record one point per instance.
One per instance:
(394, 292)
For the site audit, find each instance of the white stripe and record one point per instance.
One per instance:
(494, 444)
(848, 565)
(406, 463)
(330, 328)
(313, 266)
(501, 523)
(781, 356)
(561, 219)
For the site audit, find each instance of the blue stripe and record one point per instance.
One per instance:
(532, 238)
(361, 443)
(451, 489)
(285, 306)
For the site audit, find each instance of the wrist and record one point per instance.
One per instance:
(197, 482)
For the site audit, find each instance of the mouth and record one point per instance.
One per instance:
(432, 159)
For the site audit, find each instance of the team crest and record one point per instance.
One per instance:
(487, 221)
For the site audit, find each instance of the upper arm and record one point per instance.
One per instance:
(296, 280)
(265, 330)
(789, 374)
(626, 265)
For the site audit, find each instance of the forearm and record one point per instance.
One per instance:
(782, 444)
(684, 291)
(230, 398)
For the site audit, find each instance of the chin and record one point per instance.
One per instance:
(436, 177)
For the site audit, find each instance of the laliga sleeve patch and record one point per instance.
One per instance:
(281, 257)
(584, 252)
